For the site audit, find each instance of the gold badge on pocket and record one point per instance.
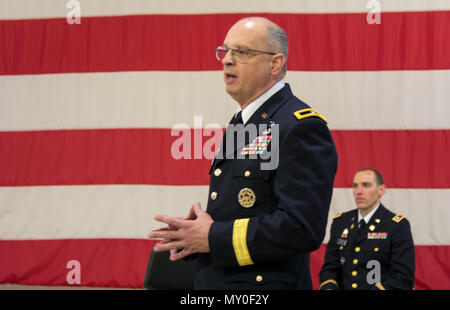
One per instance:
(246, 197)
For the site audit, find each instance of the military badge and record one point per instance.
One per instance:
(344, 233)
(337, 215)
(260, 143)
(342, 260)
(379, 235)
(267, 131)
(269, 128)
(257, 146)
(398, 218)
(246, 197)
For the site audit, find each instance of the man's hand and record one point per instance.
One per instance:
(189, 234)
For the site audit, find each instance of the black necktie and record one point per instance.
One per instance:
(361, 228)
(238, 118)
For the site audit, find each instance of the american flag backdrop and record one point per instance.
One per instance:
(87, 111)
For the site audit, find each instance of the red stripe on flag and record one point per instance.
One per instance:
(407, 158)
(102, 262)
(335, 42)
(122, 262)
(111, 156)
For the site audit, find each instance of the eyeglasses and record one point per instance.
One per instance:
(239, 53)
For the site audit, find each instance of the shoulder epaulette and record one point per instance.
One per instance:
(305, 113)
(397, 218)
(337, 215)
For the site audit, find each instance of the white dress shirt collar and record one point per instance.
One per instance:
(368, 216)
(255, 104)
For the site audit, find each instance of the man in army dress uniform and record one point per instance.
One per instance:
(261, 222)
(369, 247)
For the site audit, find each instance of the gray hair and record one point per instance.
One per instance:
(277, 38)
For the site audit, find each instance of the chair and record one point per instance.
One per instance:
(164, 274)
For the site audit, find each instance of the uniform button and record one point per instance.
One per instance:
(355, 261)
(341, 247)
(376, 249)
(213, 195)
(357, 249)
(354, 273)
(217, 172)
(354, 285)
(247, 173)
(259, 278)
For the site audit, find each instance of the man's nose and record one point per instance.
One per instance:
(228, 59)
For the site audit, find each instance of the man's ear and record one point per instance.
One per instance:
(277, 64)
(381, 190)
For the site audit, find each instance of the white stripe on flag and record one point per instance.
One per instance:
(25, 9)
(349, 100)
(426, 209)
(127, 211)
(92, 211)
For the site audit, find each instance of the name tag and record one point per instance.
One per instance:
(341, 241)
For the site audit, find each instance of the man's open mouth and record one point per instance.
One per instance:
(230, 77)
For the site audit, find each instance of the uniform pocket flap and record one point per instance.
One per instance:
(251, 169)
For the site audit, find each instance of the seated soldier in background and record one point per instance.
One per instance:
(370, 247)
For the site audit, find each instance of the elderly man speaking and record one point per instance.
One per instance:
(261, 222)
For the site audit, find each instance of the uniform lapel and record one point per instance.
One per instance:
(264, 113)
(377, 220)
(261, 116)
(374, 224)
(220, 156)
(353, 228)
